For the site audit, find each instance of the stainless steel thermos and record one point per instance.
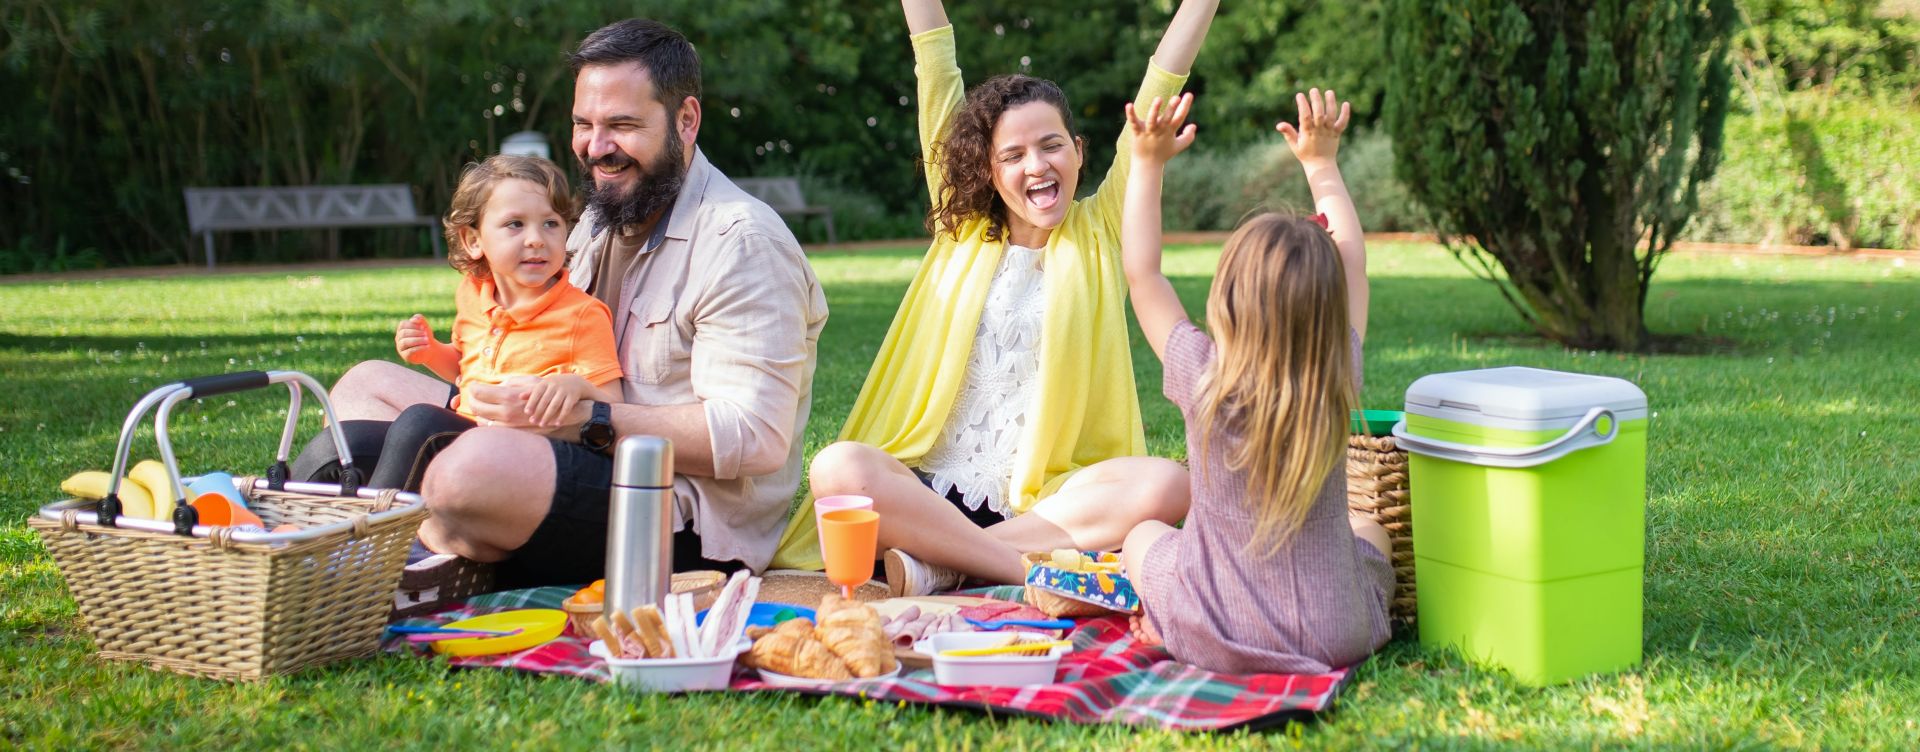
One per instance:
(640, 523)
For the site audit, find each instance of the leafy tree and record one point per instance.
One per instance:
(1564, 141)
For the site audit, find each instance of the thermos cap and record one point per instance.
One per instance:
(643, 462)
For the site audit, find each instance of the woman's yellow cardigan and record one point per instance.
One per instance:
(1086, 408)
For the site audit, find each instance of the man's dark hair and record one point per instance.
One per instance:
(668, 57)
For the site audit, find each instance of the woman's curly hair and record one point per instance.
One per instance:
(965, 158)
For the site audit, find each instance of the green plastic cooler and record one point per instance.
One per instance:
(1530, 536)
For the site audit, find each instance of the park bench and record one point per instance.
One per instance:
(783, 194)
(329, 207)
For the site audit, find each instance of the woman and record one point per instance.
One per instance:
(1000, 415)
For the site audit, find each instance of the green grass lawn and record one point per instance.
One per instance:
(1783, 521)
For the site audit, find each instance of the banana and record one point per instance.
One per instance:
(93, 484)
(159, 486)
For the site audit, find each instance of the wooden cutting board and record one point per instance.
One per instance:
(799, 588)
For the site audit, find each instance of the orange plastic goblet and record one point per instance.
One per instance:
(848, 541)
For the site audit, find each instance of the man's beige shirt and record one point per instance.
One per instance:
(725, 312)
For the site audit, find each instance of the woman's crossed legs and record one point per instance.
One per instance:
(1093, 510)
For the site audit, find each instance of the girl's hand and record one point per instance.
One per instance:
(1158, 136)
(413, 339)
(551, 401)
(1321, 123)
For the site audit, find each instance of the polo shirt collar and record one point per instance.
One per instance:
(527, 310)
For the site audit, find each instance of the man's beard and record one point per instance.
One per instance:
(655, 188)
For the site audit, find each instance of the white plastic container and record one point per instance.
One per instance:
(1006, 670)
(671, 674)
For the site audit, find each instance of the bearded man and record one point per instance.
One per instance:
(716, 315)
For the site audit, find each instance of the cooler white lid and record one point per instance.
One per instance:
(1521, 393)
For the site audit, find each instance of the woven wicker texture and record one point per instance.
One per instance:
(225, 610)
(1054, 604)
(704, 584)
(1377, 490)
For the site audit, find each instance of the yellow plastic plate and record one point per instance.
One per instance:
(537, 626)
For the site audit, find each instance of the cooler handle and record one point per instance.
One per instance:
(1582, 435)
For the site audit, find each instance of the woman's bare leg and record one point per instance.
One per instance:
(912, 517)
(1096, 508)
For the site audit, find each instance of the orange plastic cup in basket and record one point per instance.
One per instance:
(848, 540)
(217, 509)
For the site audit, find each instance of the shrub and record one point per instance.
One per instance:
(1212, 189)
(1817, 172)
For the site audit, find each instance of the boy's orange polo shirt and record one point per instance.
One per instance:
(562, 331)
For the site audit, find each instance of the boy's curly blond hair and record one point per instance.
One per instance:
(477, 182)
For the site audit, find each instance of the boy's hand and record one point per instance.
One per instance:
(413, 339)
(551, 400)
(1322, 119)
(1158, 135)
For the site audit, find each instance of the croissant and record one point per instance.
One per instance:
(792, 649)
(852, 630)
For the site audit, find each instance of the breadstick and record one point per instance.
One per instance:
(689, 625)
(676, 627)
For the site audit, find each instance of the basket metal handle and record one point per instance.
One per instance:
(165, 397)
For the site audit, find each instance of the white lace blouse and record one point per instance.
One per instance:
(974, 452)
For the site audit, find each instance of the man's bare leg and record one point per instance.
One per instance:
(487, 492)
(380, 390)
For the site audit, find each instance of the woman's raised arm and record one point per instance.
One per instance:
(1178, 47)
(1181, 44)
(924, 15)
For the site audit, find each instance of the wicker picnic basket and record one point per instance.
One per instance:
(1377, 490)
(228, 604)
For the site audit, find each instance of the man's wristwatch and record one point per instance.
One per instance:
(597, 433)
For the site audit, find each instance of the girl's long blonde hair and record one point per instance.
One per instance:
(1283, 377)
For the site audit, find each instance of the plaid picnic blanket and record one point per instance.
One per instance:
(1106, 679)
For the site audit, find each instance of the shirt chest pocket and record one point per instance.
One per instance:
(652, 341)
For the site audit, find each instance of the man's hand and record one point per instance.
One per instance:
(1323, 117)
(1159, 135)
(414, 339)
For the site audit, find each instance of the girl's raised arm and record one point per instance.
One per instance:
(924, 15)
(1158, 134)
(1323, 117)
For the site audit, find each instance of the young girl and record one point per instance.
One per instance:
(1268, 575)
(516, 315)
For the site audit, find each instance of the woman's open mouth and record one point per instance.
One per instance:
(1044, 194)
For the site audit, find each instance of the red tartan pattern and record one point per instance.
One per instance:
(1106, 679)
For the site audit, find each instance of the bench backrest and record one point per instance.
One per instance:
(273, 208)
(783, 194)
